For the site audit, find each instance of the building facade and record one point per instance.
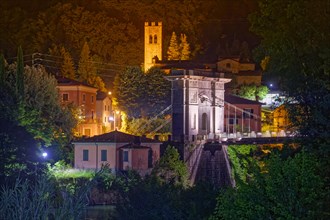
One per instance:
(104, 112)
(197, 104)
(118, 150)
(82, 96)
(241, 115)
(240, 72)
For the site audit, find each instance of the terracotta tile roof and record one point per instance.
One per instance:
(117, 137)
(134, 146)
(233, 99)
(63, 81)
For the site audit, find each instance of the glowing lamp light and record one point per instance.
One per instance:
(109, 93)
(271, 85)
(44, 154)
(111, 118)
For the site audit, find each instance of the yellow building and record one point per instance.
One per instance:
(280, 119)
(241, 72)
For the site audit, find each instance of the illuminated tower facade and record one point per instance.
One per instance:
(152, 43)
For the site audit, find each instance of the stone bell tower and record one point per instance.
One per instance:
(152, 43)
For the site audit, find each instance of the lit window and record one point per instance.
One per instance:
(85, 155)
(103, 155)
(125, 156)
(65, 97)
(155, 39)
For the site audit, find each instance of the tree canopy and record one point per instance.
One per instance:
(295, 42)
(141, 94)
(252, 91)
(114, 29)
(32, 117)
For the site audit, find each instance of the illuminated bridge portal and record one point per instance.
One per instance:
(197, 104)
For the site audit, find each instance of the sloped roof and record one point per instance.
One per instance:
(180, 64)
(134, 146)
(101, 95)
(117, 137)
(233, 99)
(63, 81)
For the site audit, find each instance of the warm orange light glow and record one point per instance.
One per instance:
(109, 93)
(117, 112)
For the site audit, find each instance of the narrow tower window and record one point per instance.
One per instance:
(150, 39)
(155, 39)
(204, 121)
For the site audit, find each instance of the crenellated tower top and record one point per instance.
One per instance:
(152, 43)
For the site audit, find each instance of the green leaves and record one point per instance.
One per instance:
(170, 169)
(252, 91)
(286, 189)
(295, 37)
(142, 94)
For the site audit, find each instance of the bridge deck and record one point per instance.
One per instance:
(260, 140)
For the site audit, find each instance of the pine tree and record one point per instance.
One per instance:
(86, 69)
(67, 68)
(20, 73)
(173, 52)
(87, 72)
(185, 48)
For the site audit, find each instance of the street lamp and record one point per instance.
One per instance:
(44, 155)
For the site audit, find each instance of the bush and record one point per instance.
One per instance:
(42, 200)
(286, 189)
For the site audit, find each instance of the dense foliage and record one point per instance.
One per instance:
(32, 117)
(114, 29)
(43, 199)
(295, 44)
(252, 91)
(283, 188)
(165, 194)
(141, 94)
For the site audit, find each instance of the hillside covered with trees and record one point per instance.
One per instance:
(114, 29)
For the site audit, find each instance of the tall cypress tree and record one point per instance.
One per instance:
(20, 73)
(67, 69)
(86, 69)
(185, 48)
